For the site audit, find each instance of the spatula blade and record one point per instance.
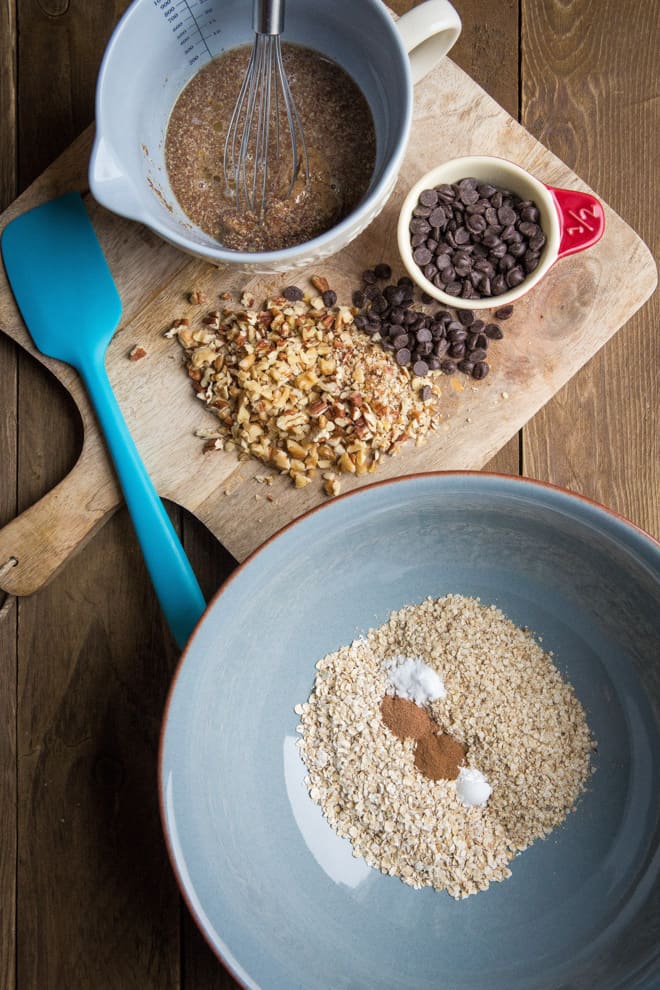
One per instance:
(60, 279)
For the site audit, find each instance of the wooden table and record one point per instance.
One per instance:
(87, 898)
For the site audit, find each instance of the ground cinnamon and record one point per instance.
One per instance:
(437, 755)
(404, 718)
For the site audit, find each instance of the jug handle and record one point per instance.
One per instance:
(428, 32)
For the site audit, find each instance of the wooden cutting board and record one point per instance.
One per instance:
(555, 330)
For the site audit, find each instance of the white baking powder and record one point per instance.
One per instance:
(472, 787)
(411, 678)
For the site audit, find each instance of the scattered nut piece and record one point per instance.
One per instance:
(331, 486)
(320, 283)
(137, 353)
(176, 327)
(212, 445)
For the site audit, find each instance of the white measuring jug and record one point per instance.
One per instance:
(158, 46)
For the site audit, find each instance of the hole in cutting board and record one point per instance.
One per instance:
(50, 432)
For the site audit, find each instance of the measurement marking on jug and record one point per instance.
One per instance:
(191, 23)
(199, 30)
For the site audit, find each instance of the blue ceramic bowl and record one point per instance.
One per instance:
(276, 893)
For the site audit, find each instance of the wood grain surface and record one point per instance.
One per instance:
(87, 898)
(555, 330)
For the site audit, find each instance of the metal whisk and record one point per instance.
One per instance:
(265, 107)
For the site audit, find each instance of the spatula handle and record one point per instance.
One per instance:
(176, 586)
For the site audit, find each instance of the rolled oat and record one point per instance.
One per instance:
(518, 719)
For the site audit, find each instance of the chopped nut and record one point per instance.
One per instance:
(290, 388)
(212, 445)
(137, 353)
(280, 460)
(295, 449)
(197, 298)
(320, 283)
(318, 408)
(202, 356)
(346, 464)
(331, 486)
(175, 327)
(327, 366)
(306, 381)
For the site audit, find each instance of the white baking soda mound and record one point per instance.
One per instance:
(472, 787)
(411, 678)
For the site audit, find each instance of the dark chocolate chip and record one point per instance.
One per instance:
(428, 197)
(422, 256)
(515, 276)
(437, 218)
(418, 225)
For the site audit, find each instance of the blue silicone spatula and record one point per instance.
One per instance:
(71, 307)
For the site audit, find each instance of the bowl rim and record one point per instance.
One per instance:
(434, 176)
(222, 952)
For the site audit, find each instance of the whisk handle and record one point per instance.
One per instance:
(268, 16)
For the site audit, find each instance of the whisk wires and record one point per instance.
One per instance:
(265, 151)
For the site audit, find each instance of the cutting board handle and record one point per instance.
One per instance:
(42, 538)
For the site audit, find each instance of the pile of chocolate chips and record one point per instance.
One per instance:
(473, 240)
(442, 341)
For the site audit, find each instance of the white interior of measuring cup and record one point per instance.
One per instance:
(148, 63)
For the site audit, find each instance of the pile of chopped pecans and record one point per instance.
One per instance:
(297, 386)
